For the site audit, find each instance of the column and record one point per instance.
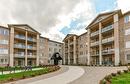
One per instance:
(68, 52)
(37, 57)
(11, 57)
(100, 44)
(26, 57)
(88, 57)
(74, 55)
(116, 39)
(64, 53)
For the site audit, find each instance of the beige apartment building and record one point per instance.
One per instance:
(82, 49)
(75, 49)
(23, 45)
(47, 49)
(107, 41)
(71, 49)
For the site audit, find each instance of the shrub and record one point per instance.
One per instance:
(125, 71)
(113, 74)
(118, 72)
(108, 77)
(23, 77)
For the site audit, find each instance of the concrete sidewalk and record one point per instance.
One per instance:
(72, 74)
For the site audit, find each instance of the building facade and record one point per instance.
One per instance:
(4, 46)
(82, 49)
(47, 49)
(107, 41)
(24, 45)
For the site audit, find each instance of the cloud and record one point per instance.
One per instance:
(47, 16)
(124, 5)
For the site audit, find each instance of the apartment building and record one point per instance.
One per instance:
(4, 46)
(24, 45)
(126, 20)
(82, 49)
(44, 51)
(71, 49)
(105, 39)
(55, 47)
(47, 49)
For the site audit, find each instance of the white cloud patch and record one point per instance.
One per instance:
(124, 5)
(47, 16)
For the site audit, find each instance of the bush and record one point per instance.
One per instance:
(125, 71)
(108, 77)
(113, 74)
(118, 72)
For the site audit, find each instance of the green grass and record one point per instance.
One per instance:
(124, 78)
(20, 75)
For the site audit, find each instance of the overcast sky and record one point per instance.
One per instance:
(56, 18)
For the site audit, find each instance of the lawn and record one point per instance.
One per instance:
(26, 74)
(124, 78)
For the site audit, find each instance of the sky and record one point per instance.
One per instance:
(55, 19)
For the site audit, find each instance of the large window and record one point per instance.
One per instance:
(127, 32)
(3, 41)
(127, 19)
(4, 31)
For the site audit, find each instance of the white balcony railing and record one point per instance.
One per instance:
(19, 46)
(107, 28)
(95, 33)
(109, 51)
(20, 36)
(110, 39)
(95, 43)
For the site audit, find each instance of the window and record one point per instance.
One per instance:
(127, 44)
(128, 56)
(127, 32)
(126, 19)
(3, 51)
(2, 60)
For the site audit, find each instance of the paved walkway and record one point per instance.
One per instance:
(94, 74)
(72, 75)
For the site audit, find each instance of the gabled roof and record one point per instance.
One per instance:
(22, 25)
(102, 16)
(69, 35)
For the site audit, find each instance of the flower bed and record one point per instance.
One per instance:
(121, 77)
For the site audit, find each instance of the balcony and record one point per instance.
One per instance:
(107, 40)
(31, 47)
(94, 33)
(20, 37)
(94, 53)
(31, 39)
(105, 29)
(109, 51)
(19, 55)
(95, 43)
(31, 56)
(19, 46)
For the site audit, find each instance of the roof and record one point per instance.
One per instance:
(102, 14)
(55, 41)
(69, 35)
(9, 25)
(83, 34)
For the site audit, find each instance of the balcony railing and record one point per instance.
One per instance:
(95, 33)
(19, 55)
(20, 37)
(107, 28)
(95, 43)
(19, 46)
(31, 39)
(109, 51)
(94, 53)
(110, 39)
(31, 56)
(31, 47)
